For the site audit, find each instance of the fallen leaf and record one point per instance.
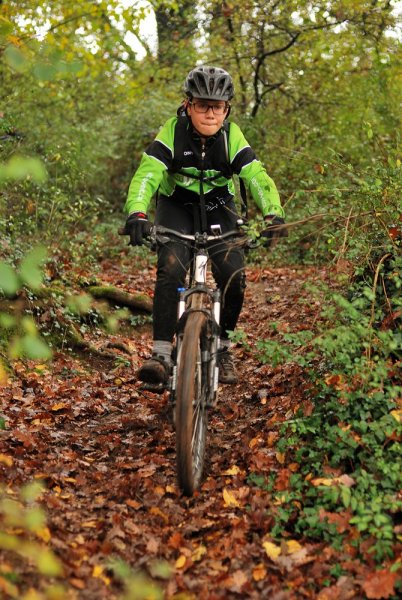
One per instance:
(345, 480)
(272, 438)
(133, 504)
(397, 414)
(298, 558)
(239, 579)
(152, 546)
(180, 562)
(259, 572)
(59, 406)
(292, 546)
(380, 584)
(147, 471)
(272, 550)
(77, 583)
(280, 457)
(198, 553)
(89, 524)
(155, 510)
(44, 534)
(6, 460)
(336, 381)
(322, 481)
(98, 572)
(229, 499)
(234, 470)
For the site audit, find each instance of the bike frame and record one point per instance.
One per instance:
(199, 297)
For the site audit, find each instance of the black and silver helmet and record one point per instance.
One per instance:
(209, 82)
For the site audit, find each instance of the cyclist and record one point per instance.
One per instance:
(199, 133)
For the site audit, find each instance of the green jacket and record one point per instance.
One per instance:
(155, 171)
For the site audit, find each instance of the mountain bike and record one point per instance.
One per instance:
(194, 381)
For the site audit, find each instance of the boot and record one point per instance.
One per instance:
(226, 367)
(155, 370)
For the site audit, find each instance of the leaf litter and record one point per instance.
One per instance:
(105, 451)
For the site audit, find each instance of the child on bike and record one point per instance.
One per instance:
(190, 165)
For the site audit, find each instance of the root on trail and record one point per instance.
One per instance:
(136, 302)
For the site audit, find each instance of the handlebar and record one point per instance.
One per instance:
(161, 234)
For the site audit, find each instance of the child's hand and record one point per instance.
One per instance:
(275, 229)
(137, 227)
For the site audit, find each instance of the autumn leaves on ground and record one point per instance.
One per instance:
(105, 452)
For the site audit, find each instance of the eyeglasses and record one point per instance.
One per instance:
(203, 107)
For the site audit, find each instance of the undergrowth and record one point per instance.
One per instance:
(346, 488)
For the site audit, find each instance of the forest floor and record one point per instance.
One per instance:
(105, 451)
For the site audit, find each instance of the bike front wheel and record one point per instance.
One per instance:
(191, 400)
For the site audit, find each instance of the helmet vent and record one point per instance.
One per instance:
(213, 83)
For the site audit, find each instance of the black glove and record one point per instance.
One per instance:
(274, 229)
(137, 227)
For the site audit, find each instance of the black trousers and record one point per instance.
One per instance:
(174, 259)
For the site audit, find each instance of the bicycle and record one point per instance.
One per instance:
(193, 384)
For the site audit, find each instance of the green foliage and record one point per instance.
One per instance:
(19, 167)
(139, 586)
(18, 329)
(29, 273)
(24, 533)
(355, 429)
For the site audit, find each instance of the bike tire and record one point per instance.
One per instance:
(191, 414)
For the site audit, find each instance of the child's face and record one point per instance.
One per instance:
(207, 123)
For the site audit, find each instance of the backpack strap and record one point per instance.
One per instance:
(178, 152)
(178, 148)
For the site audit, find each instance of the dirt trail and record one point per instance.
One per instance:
(105, 451)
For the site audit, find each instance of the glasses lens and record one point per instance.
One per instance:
(219, 109)
(203, 107)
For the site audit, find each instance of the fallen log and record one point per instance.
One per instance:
(136, 302)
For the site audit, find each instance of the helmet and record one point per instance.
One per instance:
(209, 82)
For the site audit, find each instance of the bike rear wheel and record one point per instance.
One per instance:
(191, 401)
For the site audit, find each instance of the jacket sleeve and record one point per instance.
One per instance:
(154, 163)
(245, 163)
